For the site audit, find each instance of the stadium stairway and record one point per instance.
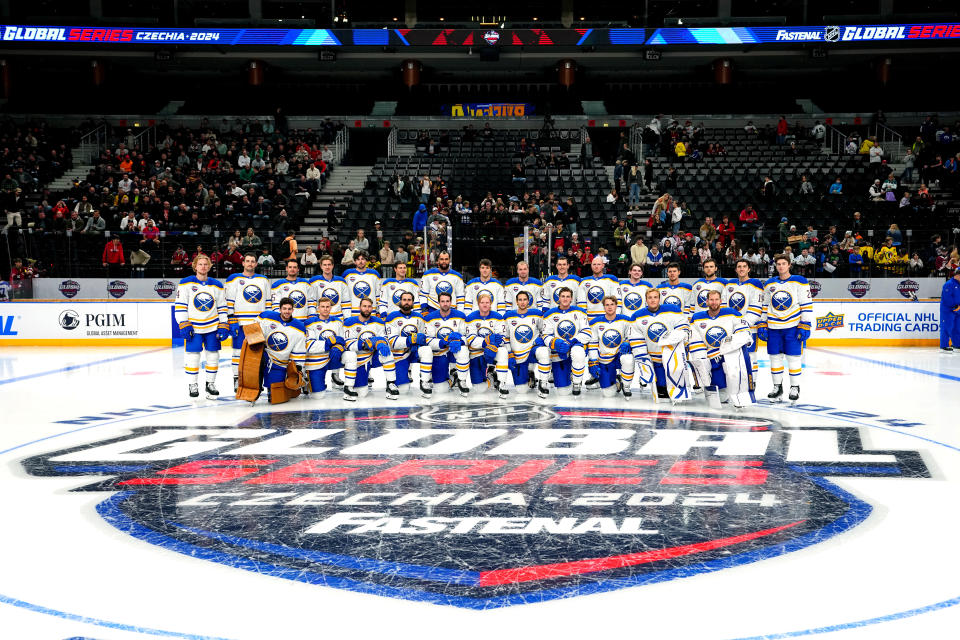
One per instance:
(344, 183)
(82, 165)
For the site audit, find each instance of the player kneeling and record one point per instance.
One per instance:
(366, 348)
(719, 354)
(611, 360)
(660, 336)
(325, 346)
(404, 335)
(444, 329)
(284, 352)
(562, 352)
(522, 329)
(484, 341)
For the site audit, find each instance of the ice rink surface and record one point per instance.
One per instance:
(95, 564)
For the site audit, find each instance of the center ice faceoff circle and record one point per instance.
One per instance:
(484, 505)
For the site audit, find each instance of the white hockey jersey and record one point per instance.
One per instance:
(522, 331)
(563, 324)
(477, 286)
(787, 303)
(335, 290)
(549, 296)
(247, 297)
(365, 284)
(709, 334)
(356, 329)
(399, 326)
(650, 327)
(200, 304)
(318, 330)
(633, 296)
(434, 282)
(286, 341)
(390, 292)
(604, 337)
(746, 298)
(701, 287)
(676, 295)
(514, 286)
(479, 328)
(300, 292)
(592, 292)
(437, 328)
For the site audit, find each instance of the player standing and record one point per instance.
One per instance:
(633, 291)
(674, 293)
(298, 290)
(333, 288)
(441, 279)
(201, 313)
(709, 282)
(596, 287)
(610, 357)
(659, 339)
(392, 288)
(549, 297)
(485, 284)
(523, 282)
(361, 282)
(745, 296)
(562, 352)
(718, 352)
(247, 295)
(785, 325)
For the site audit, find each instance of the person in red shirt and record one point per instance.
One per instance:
(749, 218)
(782, 129)
(113, 258)
(725, 231)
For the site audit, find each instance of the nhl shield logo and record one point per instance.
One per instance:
(479, 506)
(69, 288)
(117, 288)
(831, 33)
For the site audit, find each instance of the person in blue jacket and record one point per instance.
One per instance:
(420, 219)
(950, 313)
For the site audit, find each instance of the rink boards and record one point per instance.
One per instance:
(119, 323)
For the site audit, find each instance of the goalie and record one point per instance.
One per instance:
(719, 354)
(659, 339)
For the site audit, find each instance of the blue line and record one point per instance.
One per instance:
(893, 365)
(835, 469)
(860, 623)
(100, 469)
(74, 367)
(584, 37)
(101, 623)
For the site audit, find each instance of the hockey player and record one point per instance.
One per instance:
(523, 282)
(201, 313)
(444, 329)
(333, 288)
(610, 357)
(247, 295)
(595, 288)
(404, 335)
(486, 283)
(674, 293)
(562, 352)
(633, 291)
(718, 352)
(392, 288)
(361, 282)
(366, 348)
(442, 279)
(286, 342)
(659, 340)
(325, 345)
(785, 325)
(709, 282)
(484, 339)
(522, 330)
(298, 290)
(745, 296)
(549, 297)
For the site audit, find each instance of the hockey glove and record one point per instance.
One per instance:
(489, 349)
(594, 370)
(186, 332)
(422, 340)
(223, 333)
(454, 346)
(625, 348)
(330, 341)
(496, 339)
(236, 331)
(803, 334)
(366, 344)
(762, 334)
(455, 335)
(562, 347)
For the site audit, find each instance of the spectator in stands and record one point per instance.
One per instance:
(349, 255)
(708, 232)
(672, 179)
(519, 176)
(889, 186)
(621, 236)
(749, 220)
(265, 260)
(875, 154)
(851, 146)
(653, 265)
(836, 189)
(725, 232)
(806, 187)
(251, 241)
(818, 132)
(425, 189)
(639, 251)
(909, 161)
(768, 190)
(875, 192)
(113, 257)
(96, 225)
(179, 260)
(308, 261)
(886, 256)
(360, 242)
(915, 265)
(803, 263)
(782, 129)
(895, 235)
(387, 256)
(633, 179)
(288, 248)
(855, 261)
(612, 197)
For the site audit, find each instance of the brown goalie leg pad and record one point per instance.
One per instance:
(279, 393)
(249, 385)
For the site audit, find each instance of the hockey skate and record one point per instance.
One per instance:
(194, 390)
(576, 388)
(777, 394)
(426, 389)
(336, 381)
(393, 392)
(593, 383)
(212, 393)
(350, 394)
(623, 388)
(543, 389)
(461, 386)
(794, 395)
(504, 392)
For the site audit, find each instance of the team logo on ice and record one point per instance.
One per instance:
(165, 288)
(69, 288)
(117, 288)
(830, 322)
(480, 506)
(858, 288)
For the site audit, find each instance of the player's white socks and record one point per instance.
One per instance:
(795, 366)
(776, 368)
(235, 363)
(191, 364)
(542, 355)
(213, 364)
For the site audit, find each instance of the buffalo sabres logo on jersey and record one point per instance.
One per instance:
(595, 294)
(737, 301)
(444, 333)
(299, 300)
(566, 330)
(523, 334)
(715, 336)
(673, 300)
(556, 295)
(361, 289)
(444, 287)
(702, 297)
(331, 295)
(486, 292)
(611, 338)
(252, 294)
(277, 341)
(632, 301)
(203, 301)
(396, 296)
(781, 300)
(327, 333)
(656, 331)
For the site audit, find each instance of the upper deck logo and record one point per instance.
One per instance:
(830, 322)
(69, 288)
(482, 505)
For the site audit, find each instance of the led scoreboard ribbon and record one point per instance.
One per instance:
(694, 36)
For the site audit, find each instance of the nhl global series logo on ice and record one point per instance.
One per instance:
(481, 506)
